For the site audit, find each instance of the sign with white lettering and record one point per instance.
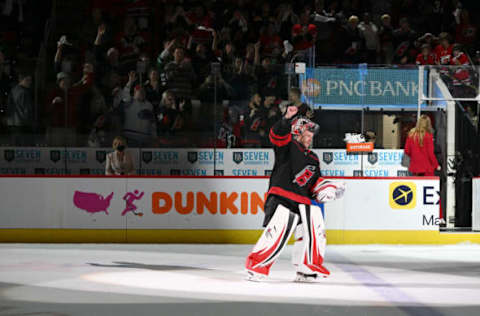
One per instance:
(361, 87)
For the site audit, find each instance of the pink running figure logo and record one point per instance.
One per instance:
(129, 198)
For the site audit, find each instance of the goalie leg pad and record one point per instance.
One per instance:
(313, 241)
(298, 251)
(273, 240)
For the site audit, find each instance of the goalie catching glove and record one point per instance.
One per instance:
(327, 190)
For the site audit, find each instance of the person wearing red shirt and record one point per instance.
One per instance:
(426, 57)
(443, 51)
(419, 147)
(461, 74)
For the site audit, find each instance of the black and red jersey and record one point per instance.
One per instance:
(296, 168)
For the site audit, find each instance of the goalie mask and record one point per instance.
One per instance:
(301, 124)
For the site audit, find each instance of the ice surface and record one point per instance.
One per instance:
(74, 279)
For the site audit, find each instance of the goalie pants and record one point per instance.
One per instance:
(273, 201)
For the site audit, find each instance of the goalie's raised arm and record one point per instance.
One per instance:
(280, 133)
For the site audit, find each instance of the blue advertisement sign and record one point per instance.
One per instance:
(361, 87)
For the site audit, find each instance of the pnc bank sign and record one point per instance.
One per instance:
(354, 87)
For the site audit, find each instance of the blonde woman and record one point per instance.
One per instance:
(419, 147)
(119, 162)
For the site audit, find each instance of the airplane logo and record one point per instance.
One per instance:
(403, 195)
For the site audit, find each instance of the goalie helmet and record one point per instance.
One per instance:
(301, 124)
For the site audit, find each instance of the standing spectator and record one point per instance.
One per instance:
(267, 75)
(466, 32)
(119, 162)
(241, 80)
(325, 25)
(227, 56)
(287, 18)
(107, 60)
(91, 26)
(139, 120)
(63, 109)
(294, 97)
(180, 75)
(352, 41)
(253, 121)
(170, 114)
(369, 32)
(405, 37)
(20, 119)
(272, 112)
(229, 133)
(385, 35)
(201, 60)
(419, 147)
(426, 57)
(249, 60)
(131, 43)
(153, 88)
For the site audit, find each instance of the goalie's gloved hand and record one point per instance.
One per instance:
(328, 190)
(326, 195)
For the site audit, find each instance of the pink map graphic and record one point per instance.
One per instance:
(92, 202)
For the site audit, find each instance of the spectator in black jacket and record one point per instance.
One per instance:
(404, 36)
(20, 118)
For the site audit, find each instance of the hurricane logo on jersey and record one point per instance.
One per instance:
(305, 175)
(403, 195)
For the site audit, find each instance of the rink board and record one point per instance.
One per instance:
(208, 210)
(192, 161)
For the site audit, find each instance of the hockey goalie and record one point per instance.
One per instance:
(295, 190)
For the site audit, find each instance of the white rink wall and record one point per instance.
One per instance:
(204, 209)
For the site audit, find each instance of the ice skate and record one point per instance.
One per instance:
(305, 278)
(255, 276)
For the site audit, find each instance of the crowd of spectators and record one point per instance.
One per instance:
(153, 70)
